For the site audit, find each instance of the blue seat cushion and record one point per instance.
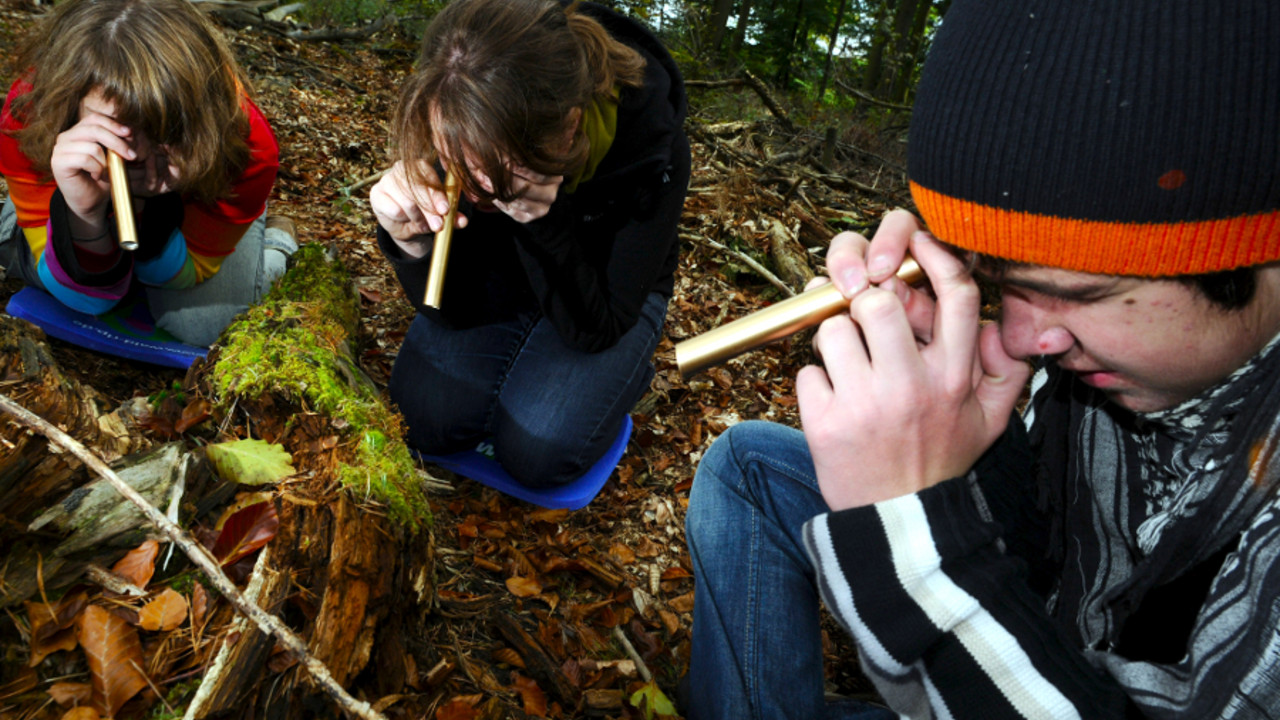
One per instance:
(128, 331)
(479, 465)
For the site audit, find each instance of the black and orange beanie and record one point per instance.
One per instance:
(1125, 137)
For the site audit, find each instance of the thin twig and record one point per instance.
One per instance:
(366, 181)
(746, 259)
(635, 656)
(267, 622)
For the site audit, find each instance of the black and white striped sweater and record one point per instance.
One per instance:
(1132, 571)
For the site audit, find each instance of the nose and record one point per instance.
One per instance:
(1028, 330)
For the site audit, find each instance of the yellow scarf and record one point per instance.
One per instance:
(600, 123)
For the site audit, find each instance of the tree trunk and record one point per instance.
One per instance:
(874, 72)
(833, 39)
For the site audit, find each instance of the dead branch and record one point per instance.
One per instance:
(745, 259)
(874, 101)
(331, 34)
(199, 556)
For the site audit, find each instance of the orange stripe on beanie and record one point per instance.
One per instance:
(1124, 137)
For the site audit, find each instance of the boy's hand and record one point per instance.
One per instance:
(900, 408)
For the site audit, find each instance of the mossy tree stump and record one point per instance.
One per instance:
(354, 537)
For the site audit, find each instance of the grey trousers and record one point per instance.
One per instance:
(196, 315)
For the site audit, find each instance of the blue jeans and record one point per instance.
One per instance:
(195, 315)
(757, 647)
(550, 410)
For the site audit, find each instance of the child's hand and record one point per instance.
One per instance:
(410, 212)
(79, 164)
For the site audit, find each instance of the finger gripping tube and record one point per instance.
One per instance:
(121, 200)
(775, 322)
(440, 251)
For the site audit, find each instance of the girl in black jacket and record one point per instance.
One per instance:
(564, 127)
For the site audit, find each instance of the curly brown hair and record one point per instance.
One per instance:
(165, 67)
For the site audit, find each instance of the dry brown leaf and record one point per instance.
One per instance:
(509, 656)
(524, 587)
(684, 603)
(71, 693)
(548, 516)
(535, 701)
(196, 412)
(81, 713)
(622, 553)
(52, 625)
(139, 564)
(115, 656)
(165, 612)
(461, 707)
(199, 605)
(647, 548)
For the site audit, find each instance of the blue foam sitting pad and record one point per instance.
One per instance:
(128, 331)
(479, 465)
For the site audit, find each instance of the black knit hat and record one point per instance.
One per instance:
(1107, 136)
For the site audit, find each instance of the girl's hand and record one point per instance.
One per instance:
(539, 193)
(79, 164)
(409, 213)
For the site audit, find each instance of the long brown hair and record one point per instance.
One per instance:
(495, 83)
(163, 65)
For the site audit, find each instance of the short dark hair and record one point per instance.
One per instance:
(1227, 289)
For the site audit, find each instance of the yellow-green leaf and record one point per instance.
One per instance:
(652, 703)
(251, 462)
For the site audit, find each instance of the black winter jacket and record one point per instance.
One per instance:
(591, 262)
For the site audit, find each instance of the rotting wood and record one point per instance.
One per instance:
(538, 663)
(788, 255)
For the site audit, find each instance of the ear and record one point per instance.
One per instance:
(573, 122)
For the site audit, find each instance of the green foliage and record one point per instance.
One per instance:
(294, 345)
(251, 461)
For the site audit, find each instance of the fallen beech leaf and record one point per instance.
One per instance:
(199, 605)
(165, 612)
(71, 693)
(622, 553)
(81, 713)
(675, 572)
(524, 587)
(245, 532)
(684, 603)
(115, 656)
(196, 412)
(462, 707)
(250, 461)
(52, 625)
(547, 516)
(139, 564)
(647, 548)
(509, 656)
(535, 701)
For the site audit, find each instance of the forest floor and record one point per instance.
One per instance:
(329, 105)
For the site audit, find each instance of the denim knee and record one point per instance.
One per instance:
(552, 457)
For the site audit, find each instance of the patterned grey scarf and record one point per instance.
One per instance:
(1161, 491)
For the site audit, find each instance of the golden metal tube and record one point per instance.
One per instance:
(772, 323)
(125, 230)
(440, 253)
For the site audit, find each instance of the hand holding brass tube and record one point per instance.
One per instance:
(440, 252)
(125, 230)
(772, 323)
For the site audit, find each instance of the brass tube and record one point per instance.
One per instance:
(123, 203)
(440, 253)
(772, 323)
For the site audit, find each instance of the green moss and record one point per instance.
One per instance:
(294, 344)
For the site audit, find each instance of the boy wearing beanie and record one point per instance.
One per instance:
(1114, 551)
